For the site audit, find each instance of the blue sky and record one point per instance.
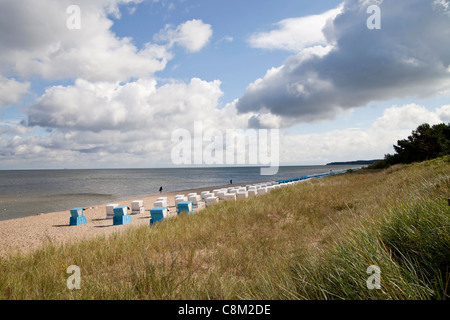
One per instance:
(221, 59)
(112, 92)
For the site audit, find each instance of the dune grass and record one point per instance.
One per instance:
(313, 240)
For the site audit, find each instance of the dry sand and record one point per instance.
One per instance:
(29, 233)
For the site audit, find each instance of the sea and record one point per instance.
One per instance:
(29, 192)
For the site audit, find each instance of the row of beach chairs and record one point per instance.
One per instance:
(240, 192)
(121, 215)
(187, 203)
(183, 203)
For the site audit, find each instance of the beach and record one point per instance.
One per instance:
(29, 233)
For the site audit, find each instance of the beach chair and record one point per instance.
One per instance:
(185, 207)
(252, 193)
(163, 199)
(262, 190)
(230, 196)
(195, 199)
(121, 216)
(203, 193)
(158, 214)
(242, 195)
(209, 195)
(221, 195)
(211, 201)
(137, 207)
(77, 217)
(160, 204)
(180, 199)
(110, 210)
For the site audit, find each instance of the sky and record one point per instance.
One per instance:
(107, 83)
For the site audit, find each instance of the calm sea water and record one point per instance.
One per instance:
(29, 192)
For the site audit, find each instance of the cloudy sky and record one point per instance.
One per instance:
(106, 86)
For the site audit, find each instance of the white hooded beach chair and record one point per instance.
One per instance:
(242, 195)
(221, 195)
(110, 210)
(211, 201)
(163, 200)
(230, 196)
(180, 199)
(137, 206)
(262, 191)
(203, 193)
(195, 199)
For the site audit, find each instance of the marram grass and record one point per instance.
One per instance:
(313, 240)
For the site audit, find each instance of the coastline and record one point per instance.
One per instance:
(25, 234)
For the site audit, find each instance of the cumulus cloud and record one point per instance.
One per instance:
(115, 112)
(191, 35)
(148, 144)
(444, 113)
(407, 57)
(131, 122)
(11, 91)
(295, 34)
(139, 105)
(410, 115)
(442, 5)
(106, 119)
(35, 40)
(374, 142)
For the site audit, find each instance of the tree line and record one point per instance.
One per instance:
(425, 143)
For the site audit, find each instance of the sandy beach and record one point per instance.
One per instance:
(29, 233)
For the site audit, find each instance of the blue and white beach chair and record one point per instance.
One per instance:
(121, 215)
(185, 207)
(77, 217)
(158, 214)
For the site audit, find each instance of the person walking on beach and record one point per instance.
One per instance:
(231, 181)
(160, 189)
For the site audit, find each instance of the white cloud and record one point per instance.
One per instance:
(441, 5)
(359, 65)
(408, 116)
(226, 38)
(132, 122)
(124, 107)
(104, 119)
(143, 137)
(396, 123)
(11, 91)
(444, 113)
(192, 35)
(34, 40)
(103, 112)
(295, 34)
